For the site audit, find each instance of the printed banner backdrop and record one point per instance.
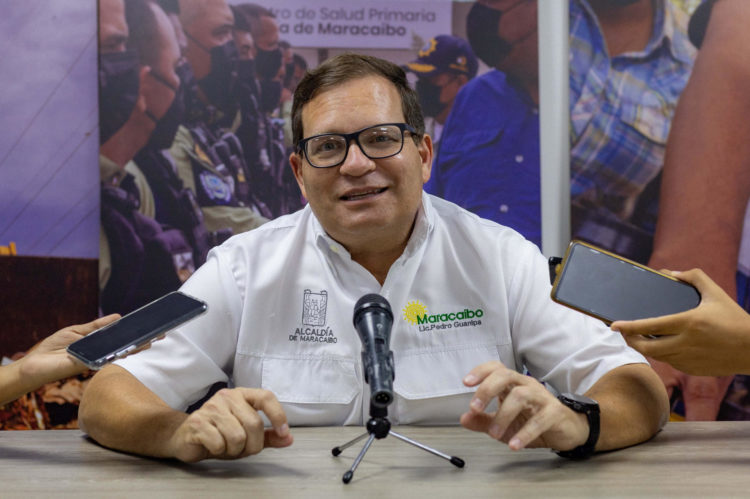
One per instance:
(354, 25)
(213, 161)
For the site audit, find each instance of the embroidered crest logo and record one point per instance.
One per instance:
(314, 308)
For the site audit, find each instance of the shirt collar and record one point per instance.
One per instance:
(667, 33)
(674, 31)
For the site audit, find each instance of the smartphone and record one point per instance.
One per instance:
(135, 329)
(609, 287)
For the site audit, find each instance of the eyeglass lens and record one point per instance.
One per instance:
(376, 142)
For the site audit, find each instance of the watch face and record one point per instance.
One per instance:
(580, 399)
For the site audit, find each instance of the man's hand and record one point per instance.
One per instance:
(528, 414)
(228, 426)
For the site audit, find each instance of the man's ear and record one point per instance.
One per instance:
(295, 160)
(425, 154)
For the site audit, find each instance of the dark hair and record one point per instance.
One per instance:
(145, 38)
(347, 67)
(299, 61)
(247, 16)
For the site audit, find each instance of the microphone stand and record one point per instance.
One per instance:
(378, 426)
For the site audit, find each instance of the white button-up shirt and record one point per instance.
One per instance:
(465, 291)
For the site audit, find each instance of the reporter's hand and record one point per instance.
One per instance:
(48, 361)
(528, 414)
(228, 426)
(712, 339)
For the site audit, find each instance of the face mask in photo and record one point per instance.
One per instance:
(268, 63)
(270, 95)
(166, 127)
(481, 30)
(429, 97)
(219, 84)
(118, 91)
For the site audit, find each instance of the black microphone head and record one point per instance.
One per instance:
(371, 302)
(373, 320)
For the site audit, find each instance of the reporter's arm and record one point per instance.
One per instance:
(46, 362)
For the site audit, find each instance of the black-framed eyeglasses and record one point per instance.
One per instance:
(375, 142)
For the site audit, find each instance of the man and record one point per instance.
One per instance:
(488, 161)
(208, 161)
(443, 66)
(629, 61)
(268, 54)
(139, 259)
(261, 133)
(361, 160)
(706, 186)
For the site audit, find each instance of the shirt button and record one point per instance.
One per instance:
(519, 158)
(503, 208)
(334, 248)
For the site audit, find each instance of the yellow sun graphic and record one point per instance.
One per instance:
(412, 310)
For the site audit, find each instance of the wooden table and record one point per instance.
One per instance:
(685, 459)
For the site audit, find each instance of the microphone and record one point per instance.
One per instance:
(373, 320)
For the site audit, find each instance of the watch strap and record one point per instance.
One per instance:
(591, 410)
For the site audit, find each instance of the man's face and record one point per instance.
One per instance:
(363, 201)
(518, 27)
(211, 27)
(449, 83)
(268, 34)
(245, 45)
(159, 94)
(113, 30)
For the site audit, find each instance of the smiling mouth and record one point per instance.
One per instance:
(363, 195)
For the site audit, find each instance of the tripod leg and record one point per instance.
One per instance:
(455, 461)
(348, 475)
(338, 450)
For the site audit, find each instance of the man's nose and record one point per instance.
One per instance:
(356, 162)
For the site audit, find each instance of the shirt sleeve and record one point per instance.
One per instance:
(182, 367)
(559, 346)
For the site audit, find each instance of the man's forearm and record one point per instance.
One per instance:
(119, 412)
(633, 403)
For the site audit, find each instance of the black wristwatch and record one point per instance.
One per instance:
(590, 408)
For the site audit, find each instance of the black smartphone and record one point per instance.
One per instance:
(135, 329)
(609, 287)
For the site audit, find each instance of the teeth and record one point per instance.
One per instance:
(363, 194)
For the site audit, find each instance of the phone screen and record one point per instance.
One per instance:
(611, 288)
(136, 329)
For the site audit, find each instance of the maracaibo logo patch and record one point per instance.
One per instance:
(416, 313)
